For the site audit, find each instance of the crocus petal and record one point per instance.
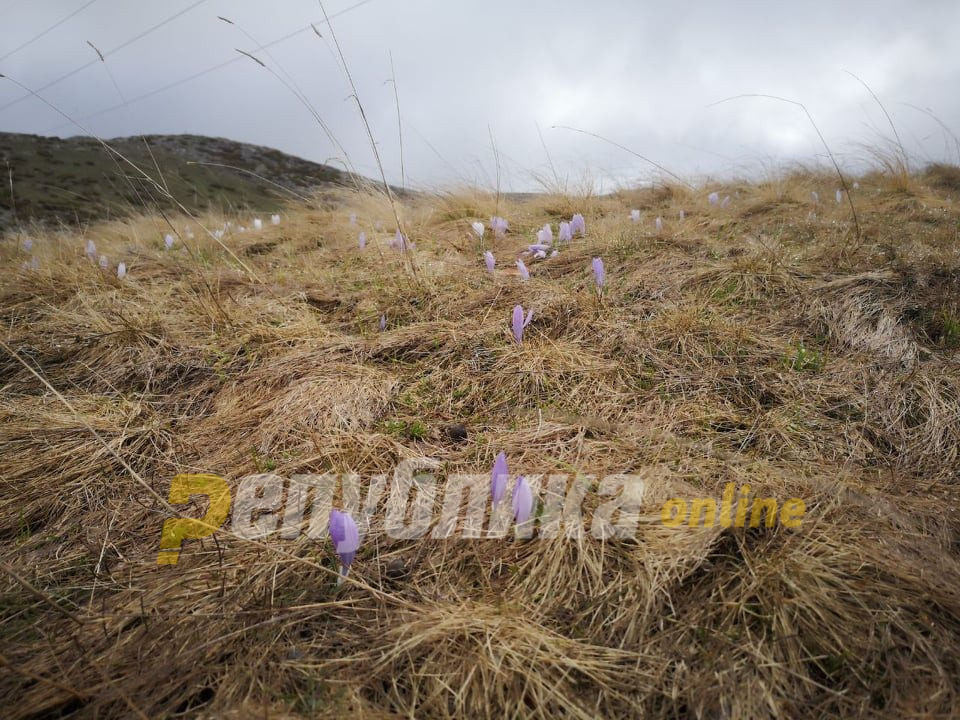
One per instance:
(522, 500)
(528, 318)
(490, 260)
(345, 536)
(498, 478)
(566, 233)
(524, 273)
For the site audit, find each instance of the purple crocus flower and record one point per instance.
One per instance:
(103, 262)
(121, 271)
(659, 224)
(565, 234)
(537, 247)
(91, 249)
(490, 260)
(479, 229)
(383, 322)
(345, 537)
(399, 242)
(498, 225)
(713, 198)
(839, 196)
(578, 225)
(599, 274)
(522, 500)
(545, 235)
(520, 322)
(635, 215)
(499, 477)
(362, 240)
(257, 224)
(524, 273)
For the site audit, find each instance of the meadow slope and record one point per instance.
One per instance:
(761, 343)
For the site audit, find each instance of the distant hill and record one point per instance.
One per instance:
(75, 180)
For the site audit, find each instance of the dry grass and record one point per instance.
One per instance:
(751, 344)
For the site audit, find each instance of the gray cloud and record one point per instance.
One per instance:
(645, 74)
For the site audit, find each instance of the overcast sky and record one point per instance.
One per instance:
(646, 75)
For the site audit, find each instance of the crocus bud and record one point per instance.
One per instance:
(498, 478)
(345, 538)
(490, 260)
(524, 273)
(522, 500)
(121, 271)
(635, 215)
(599, 274)
(520, 323)
(479, 229)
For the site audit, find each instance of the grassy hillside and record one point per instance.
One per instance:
(75, 181)
(759, 341)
